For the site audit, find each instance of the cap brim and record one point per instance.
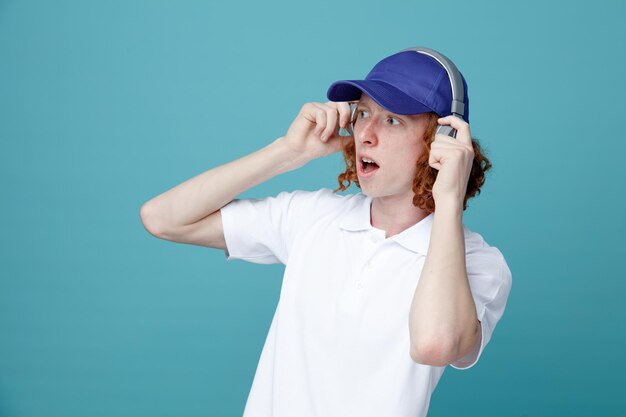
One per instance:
(386, 95)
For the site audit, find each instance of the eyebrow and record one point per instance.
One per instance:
(397, 116)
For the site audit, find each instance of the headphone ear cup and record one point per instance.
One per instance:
(352, 117)
(349, 131)
(345, 132)
(446, 130)
(350, 128)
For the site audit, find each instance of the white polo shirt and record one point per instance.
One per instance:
(338, 344)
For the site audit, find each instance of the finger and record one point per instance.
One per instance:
(320, 121)
(441, 138)
(462, 128)
(443, 150)
(439, 154)
(444, 141)
(344, 114)
(445, 147)
(434, 155)
(343, 107)
(342, 141)
(330, 119)
(434, 161)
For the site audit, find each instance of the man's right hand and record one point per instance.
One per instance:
(190, 212)
(314, 131)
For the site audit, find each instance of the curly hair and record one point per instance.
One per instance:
(426, 175)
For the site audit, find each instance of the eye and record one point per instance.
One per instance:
(362, 114)
(393, 121)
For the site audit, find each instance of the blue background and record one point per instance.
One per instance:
(104, 105)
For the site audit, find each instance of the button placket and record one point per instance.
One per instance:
(368, 267)
(372, 242)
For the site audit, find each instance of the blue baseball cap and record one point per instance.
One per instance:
(407, 82)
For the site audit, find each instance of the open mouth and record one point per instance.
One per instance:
(368, 165)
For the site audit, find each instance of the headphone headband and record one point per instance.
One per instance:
(456, 81)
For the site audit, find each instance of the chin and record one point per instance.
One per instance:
(375, 192)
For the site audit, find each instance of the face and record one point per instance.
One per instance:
(387, 148)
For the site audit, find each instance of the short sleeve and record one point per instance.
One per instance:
(258, 230)
(490, 282)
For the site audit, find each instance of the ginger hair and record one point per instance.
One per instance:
(426, 175)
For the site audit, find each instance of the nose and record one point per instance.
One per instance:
(365, 131)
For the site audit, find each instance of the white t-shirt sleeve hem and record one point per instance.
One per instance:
(471, 358)
(237, 221)
(488, 321)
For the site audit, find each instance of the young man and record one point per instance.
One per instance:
(383, 288)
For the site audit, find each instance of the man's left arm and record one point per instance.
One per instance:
(443, 324)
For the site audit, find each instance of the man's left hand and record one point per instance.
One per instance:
(453, 159)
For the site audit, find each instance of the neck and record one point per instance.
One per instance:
(394, 214)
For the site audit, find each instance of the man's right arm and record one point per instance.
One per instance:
(190, 212)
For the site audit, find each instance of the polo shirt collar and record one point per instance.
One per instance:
(416, 238)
